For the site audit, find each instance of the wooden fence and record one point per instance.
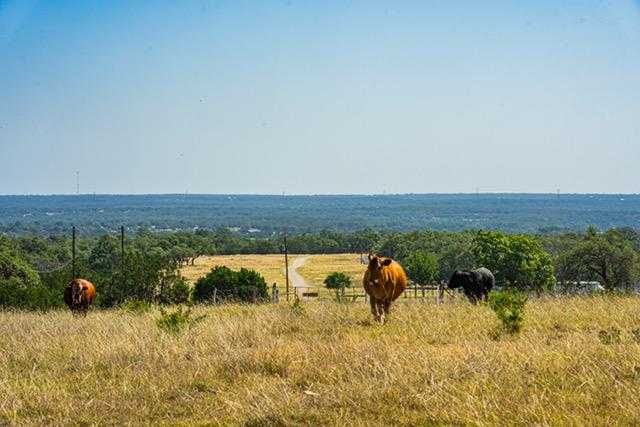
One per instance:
(358, 294)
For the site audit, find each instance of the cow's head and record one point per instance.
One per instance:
(76, 292)
(376, 265)
(458, 279)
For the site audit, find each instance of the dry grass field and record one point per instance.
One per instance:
(270, 266)
(577, 361)
(318, 267)
(314, 271)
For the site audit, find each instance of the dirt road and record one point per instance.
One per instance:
(295, 279)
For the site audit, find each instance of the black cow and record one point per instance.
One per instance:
(476, 284)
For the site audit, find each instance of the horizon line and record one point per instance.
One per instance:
(323, 194)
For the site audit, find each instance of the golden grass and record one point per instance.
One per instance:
(314, 271)
(318, 267)
(270, 266)
(329, 365)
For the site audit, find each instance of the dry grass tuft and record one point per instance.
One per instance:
(328, 364)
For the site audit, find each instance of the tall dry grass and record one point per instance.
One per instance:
(326, 364)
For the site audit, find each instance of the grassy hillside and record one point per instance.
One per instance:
(326, 364)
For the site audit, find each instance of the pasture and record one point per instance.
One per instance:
(314, 270)
(270, 266)
(576, 361)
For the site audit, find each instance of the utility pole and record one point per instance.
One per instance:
(73, 253)
(286, 264)
(122, 250)
(77, 182)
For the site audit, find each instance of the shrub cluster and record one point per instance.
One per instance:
(222, 284)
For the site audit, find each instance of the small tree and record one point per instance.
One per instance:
(509, 307)
(337, 281)
(422, 267)
(516, 260)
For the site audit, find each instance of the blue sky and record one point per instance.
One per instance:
(319, 97)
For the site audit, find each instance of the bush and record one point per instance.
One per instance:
(177, 321)
(136, 306)
(422, 267)
(509, 307)
(179, 292)
(228, 285)
(337, 281)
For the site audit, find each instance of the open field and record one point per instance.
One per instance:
(326, 364)
(318, 267)
(270, 266)
(314, 271)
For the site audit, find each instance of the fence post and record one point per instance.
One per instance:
(215, 294)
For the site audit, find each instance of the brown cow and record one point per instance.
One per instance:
(79, 295)
(384, 281)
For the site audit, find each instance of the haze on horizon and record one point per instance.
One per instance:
(309, 98)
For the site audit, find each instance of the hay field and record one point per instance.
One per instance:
(270, 266)
(326, 364)
(318, 267)
(314, 271)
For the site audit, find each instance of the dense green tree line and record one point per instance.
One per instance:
(35, 269)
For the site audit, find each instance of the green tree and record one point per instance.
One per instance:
(228, 285)
(608, 258)
(516, 260)
(20, 285)
(422, 267)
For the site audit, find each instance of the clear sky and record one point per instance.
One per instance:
(319, 97)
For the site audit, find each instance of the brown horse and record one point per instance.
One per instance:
(384, 281)
(79, 295)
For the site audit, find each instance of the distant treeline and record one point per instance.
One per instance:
(34, 269)
(264, 216)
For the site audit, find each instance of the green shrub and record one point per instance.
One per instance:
(179, 292)
(509, 307)
(297, 308)
(136, 306)
(337, 280)
(228, 285)
(610, 336)
(177, 321)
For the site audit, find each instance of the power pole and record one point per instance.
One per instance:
(122, 250)
(73, 253)
(286, 264)
(77, 182)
